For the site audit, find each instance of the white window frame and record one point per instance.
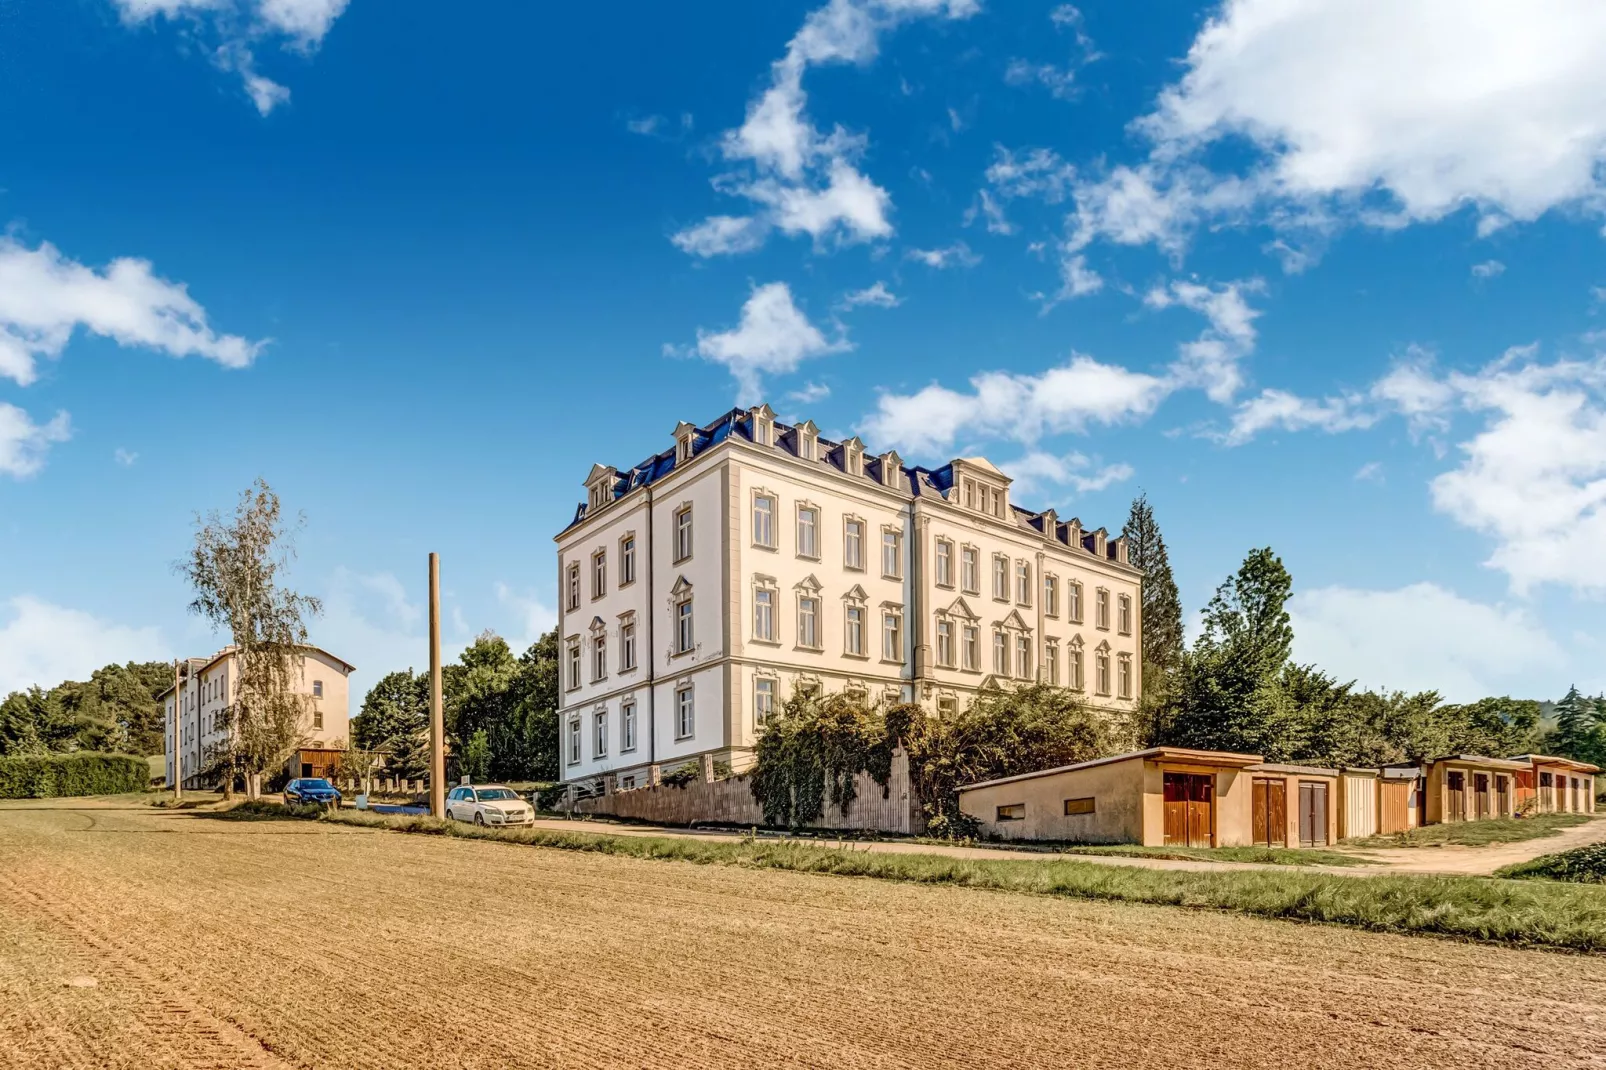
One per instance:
(892, 635)
(599, 574)
(685, 711)
(1101, 608)
(945, 643)
(685, 626)
(853, 544)
(945, 562)
(599, 734)
(1076, 679)
(599, 657)
(1073, 601)
(1051, 595)
(892, 555)
(1123, 675)
(970, 647)
(763, 698)
(627, 645)
(1000, 652)
(808, 621)
(627, 726)
(1023, 656)
(970, 570)
(764, 521)
(1123, 614)
(1000, 577)
(574, 663)
(1051, 662)
(1101, 672)
(574, 739)
(808, 532)
(764, 599)
(572, 583)
(1023, 582)
(853, 630)
(627, 559)
(683, 534)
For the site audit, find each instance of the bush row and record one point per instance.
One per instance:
(49, 776)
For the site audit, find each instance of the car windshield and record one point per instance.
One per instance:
(496, 795)
(315, 784)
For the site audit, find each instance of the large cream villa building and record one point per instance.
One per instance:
(204, 689)
(701, 588)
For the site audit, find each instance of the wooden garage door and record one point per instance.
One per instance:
(1455, 783)
(1271, 812)
(1188, 799)
(1396, 806)
(1312, 813)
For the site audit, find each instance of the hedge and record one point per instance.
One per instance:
(48, 776)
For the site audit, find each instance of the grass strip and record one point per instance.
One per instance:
(1272, 856)
(1475, 833)
(1581, 865)
(1528, 914)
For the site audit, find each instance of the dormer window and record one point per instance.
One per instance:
(764, 426)
(891, 469)
(808, 437)
(599, 486)
(853, 457)
(685, 436)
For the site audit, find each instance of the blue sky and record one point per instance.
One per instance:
(1315, 275)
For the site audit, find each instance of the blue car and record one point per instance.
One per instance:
(311, 790)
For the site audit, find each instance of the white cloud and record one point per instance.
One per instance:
(807, 180)
(809, 394)
(1079, 393)
(1488, 269)
(234, 26)
(43, 644)
(988, 208)
(1280, 410)
(1059, 81)
(1038, 173)
(125, 458)
(876, 296)
(1534, 477)
(23, 443)
(721, 235)
(1422, 637)
(956, 255)
(1370, 472)
(773, 337)
(44, 297)
(1037, 471)
(534, 618)
(1377, 113)
(1211, 362)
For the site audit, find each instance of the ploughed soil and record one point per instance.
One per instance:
(135, 937)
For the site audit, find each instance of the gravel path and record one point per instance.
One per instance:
(131, 937)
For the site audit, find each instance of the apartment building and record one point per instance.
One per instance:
(206, 687)
(699, 589)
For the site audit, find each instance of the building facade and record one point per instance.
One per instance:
(703, 587)
(206, 686)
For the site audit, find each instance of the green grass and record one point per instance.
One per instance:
(1275, 856)
(1475, 833)
(1531, 914)
(1581, 865)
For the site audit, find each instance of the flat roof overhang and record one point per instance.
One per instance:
(1163, 755)
(1565, 763)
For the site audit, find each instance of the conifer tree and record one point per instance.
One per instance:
(1161, 605)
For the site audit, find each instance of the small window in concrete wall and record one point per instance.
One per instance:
(1012, 812)
(1078, 806)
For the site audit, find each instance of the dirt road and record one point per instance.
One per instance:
(131, 937)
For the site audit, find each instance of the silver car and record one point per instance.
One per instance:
(491, 805)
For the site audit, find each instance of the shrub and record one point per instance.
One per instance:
(56, 775)
(810, 752)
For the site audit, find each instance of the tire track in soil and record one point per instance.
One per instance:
(179, 1031)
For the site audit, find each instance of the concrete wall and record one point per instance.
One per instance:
(1117, 790)
(730, 801)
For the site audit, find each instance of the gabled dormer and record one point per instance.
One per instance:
(981, 487)
(1119, 550)
(1097, 542)
(685, 441)
(806, 440)
(764, 426)
(599, 486)
(1073, 533)
(853, 456)
(892, 470)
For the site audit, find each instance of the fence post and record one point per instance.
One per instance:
(707, 764)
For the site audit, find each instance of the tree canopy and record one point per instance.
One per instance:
(114, 710)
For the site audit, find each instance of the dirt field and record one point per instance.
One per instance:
(273, 944)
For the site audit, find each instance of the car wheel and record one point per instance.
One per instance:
(479, 819)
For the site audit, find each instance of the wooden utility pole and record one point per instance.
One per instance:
(178, 744)
(437, 718)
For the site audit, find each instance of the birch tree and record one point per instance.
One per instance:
(233, 571)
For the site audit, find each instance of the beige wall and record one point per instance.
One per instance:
(1117, 789)
(1438, 788)
(729, 566)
